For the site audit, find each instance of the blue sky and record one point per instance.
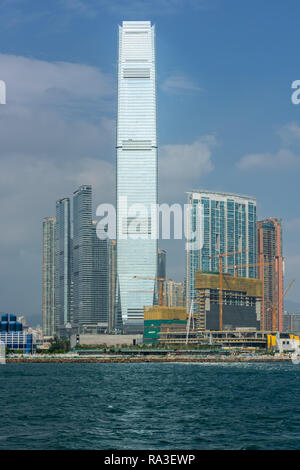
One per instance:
(225, 69)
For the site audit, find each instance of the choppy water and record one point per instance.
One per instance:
(150, 406)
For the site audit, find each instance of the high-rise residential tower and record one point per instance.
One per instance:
(228, 224)
(48, 281)
(136, 170)
(63, 265)
(112, 281)
(82, 257)
(270, 271)
(99, 281)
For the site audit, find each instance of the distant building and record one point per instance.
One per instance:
(241, 302)
(81, 268)
(161, 263)
(100, 281)
(270, 271)
(48, 280)
(63, 265)
(112, 279)
(83, 257)
(283, 343)
(158, 320)
(175, 294)
(228, 225)
(291, 322)
(13, 335)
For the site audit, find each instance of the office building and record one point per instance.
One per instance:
(136, 171)
(63, 265)
(48, 279)
(223, 223)
(83, 257)
(112, 280)
(14, 336)
(100, 281)
(271, 271)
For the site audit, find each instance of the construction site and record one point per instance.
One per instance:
(227, 311)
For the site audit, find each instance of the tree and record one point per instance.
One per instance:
(59, 345)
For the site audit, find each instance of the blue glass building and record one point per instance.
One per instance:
(13, 336)
(228, 224)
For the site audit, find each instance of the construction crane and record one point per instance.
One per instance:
(221, 256)
(161, 280)
(188, 324)
(235, 266)
(275, 307)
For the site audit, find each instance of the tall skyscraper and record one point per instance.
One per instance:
(270, 271)
(82, 257)
(112, 280)
(229, 224)
(48, 281)
(99, 281)
(136, 170)
(63, 265)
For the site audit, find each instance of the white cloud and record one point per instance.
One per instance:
(44, 154)
(288, 155)
(283, 159)
(179, 83)
(290, 134)
(32, 81)
(182, 165)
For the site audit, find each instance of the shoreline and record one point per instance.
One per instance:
(151, 359)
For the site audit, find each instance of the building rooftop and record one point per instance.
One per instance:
(221, 193)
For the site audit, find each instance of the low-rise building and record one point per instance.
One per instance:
(14, 336)
(159, 320)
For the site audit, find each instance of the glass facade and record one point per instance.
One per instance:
(63, 272)
(82, 256)
(113, 323)
(81, 266)
(136, 169)
(100, 279)
(229, 224)
(48, 281)
(13, 336)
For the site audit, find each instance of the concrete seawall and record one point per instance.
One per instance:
(137, 359)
